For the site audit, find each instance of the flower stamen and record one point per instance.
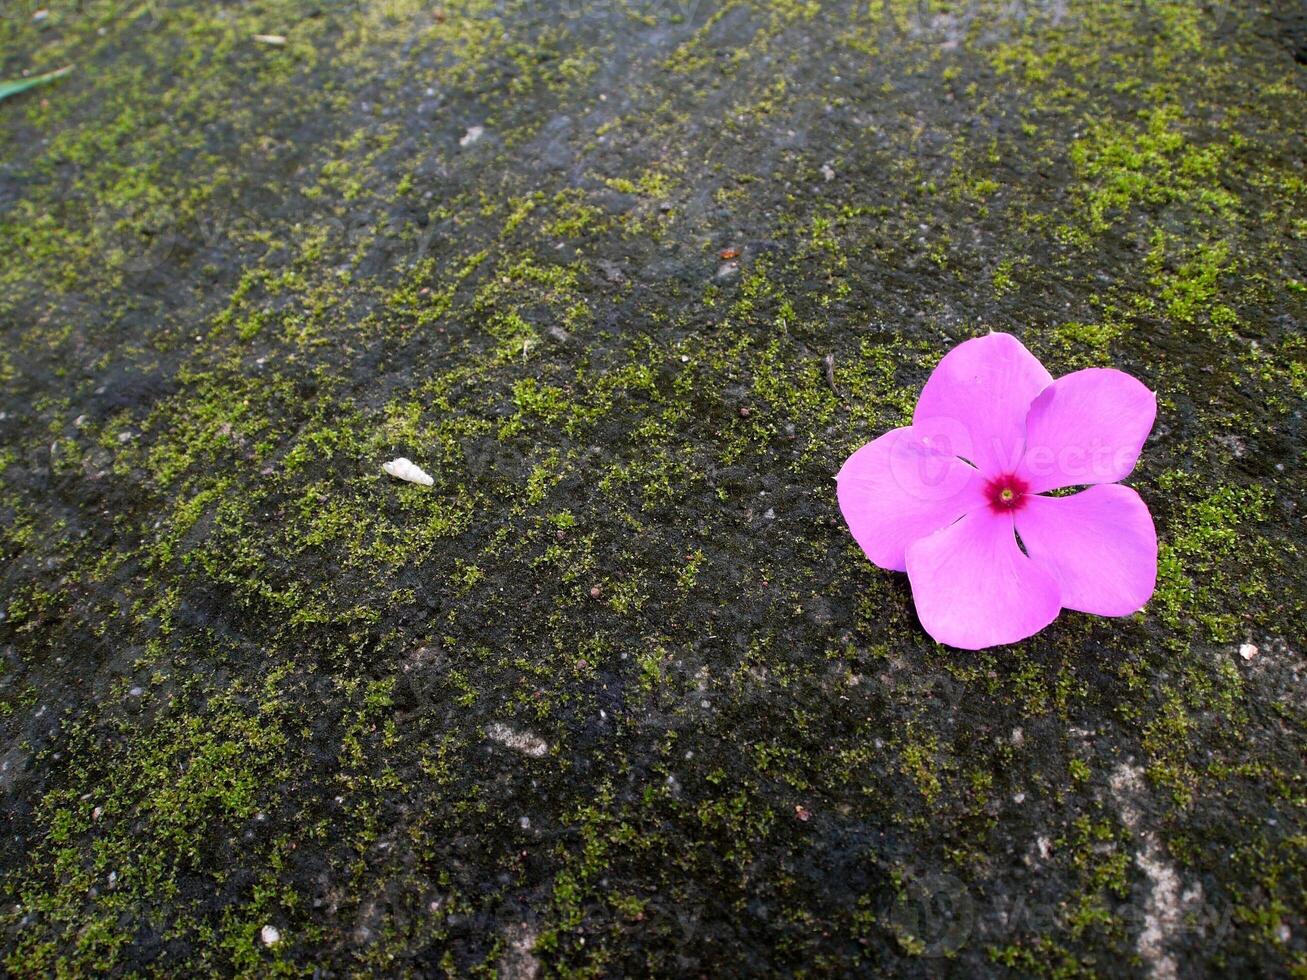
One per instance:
(1006, 493)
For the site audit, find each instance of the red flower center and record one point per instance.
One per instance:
(1006, 492)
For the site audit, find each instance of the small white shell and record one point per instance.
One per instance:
(406, 469)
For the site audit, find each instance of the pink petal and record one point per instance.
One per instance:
(977, 399)
(1100, 546)
(974, 588)
(1086, 427)
(897, 489)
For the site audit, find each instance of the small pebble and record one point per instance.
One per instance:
(136, 692)
(1248, 651)
(595, 592)
(270, 935)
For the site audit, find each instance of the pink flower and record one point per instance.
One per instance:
(946, 497)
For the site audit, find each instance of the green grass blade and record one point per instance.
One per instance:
(23, 84)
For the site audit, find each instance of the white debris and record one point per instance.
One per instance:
(270, 935)
(1248, 651)
(276, 40)
(828, 172)
(405, 469)
(519, 961)
(524, 742)
(473, 134)
(1166, 905)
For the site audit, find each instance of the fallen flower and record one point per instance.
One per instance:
(946, 497)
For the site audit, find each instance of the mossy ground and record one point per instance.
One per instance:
(618, 695)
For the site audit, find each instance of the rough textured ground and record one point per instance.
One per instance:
(618, 695)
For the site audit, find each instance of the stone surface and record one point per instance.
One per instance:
(696, 253)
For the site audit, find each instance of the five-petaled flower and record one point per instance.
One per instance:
(946, 498)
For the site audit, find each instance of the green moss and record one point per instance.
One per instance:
(745, 722)
(1202, 564)
(151, 810)
(1148, 165)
